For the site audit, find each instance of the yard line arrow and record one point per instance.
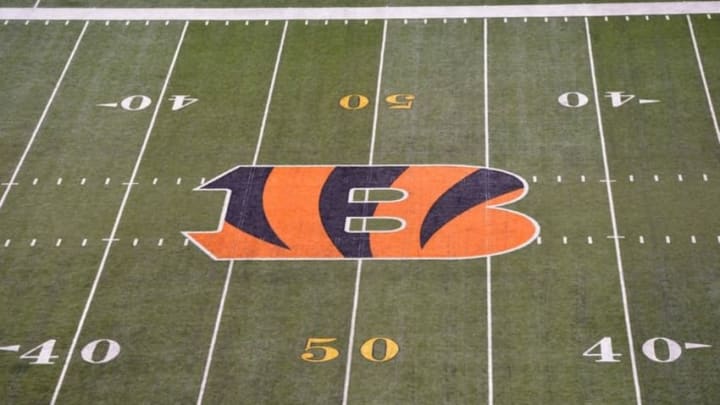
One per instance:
(112, 105)
(646, 101)
(696, 346)
(14, 348)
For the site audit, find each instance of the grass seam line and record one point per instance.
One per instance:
(702, 76)
(223, 297)
(41, 121)
(616, 239)
(118, 218)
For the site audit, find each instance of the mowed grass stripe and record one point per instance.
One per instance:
(274, 307)
(160, 302)
(434, 310)
(667, 281)
(46, 286)
(26, 81)
(552, 301)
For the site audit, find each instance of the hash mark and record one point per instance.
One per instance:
(345, 22)
(404, 21)
(186, 242)
(7, 242)
(424, 21)
(589, 240)
(127, 22)
(680, 177)
(539, 240)
(202, 180)
(107, 180)
(705, 177)
(692, 239)
(107, 23)
(656, 177)
(631, 178)
(564, 240)
(534, 179)
(47, 22)
(524, 19)
(444, 20)
(464, 20)
(6, 22)
(155, 181)
(135, 242)
(667, 239)
(647, 18)
(207, 23)
(606, 18)
(179, 180)
(67, 22)
(35, 181)
(367, 22)
(642, 240)
(227, 23)
(667, 17)
(27, 22)
(306, 22)
(160, 242)
(248, 22)
(582, 178)
(147, 22)
(627, 18)
(559, 179)
(505, 20)
(565, 19)
(58, 242)
(59, 181)
(268, 22)
(82, 182)
(32, 242)
(709, 17)
(167, 22)
(84, 242)
(546, 19)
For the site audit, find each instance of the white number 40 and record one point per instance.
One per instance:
(42, 354)
(603, 350)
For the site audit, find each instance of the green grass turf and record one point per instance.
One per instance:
(551, 301)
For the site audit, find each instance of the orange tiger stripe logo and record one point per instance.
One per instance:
(367, 212)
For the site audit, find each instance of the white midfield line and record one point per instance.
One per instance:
(121, 210)
(488, 291)
(358, 272)
(616, 239)
(221, 307)
(42, 117)
(702, 75)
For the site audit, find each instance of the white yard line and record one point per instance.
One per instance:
(118, 218)
(42, 118)
(358, 271)
(615, 236)
(488, 264)
(223, 297)
(704, 80)
(362, 13)
(37, 3)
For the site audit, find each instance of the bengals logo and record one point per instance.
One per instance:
(379, 212)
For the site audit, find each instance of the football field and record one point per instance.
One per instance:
(139, 266)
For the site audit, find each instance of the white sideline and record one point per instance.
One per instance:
(360, 13)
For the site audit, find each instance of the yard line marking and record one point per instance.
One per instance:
(702, 76)
(656, 177)
(364, 13)
(58, 242)
(358, 271)
(589, 240)
(377, 95)
(42, 118)
(118, 218)
(693, 240)
(642, 240)
(616, 237)
(270, 93)
(488, 261)
(539, 240)
(680, 177)
(33, 242)
(582, 178)
(228, 277)
(7, 242)
(667, 239)
(705, 177)
(160, 241)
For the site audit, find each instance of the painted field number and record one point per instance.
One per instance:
(400, 101)
(377, 350)
(657, 349)
(139, 102)
(99, 351)
(317, 350)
